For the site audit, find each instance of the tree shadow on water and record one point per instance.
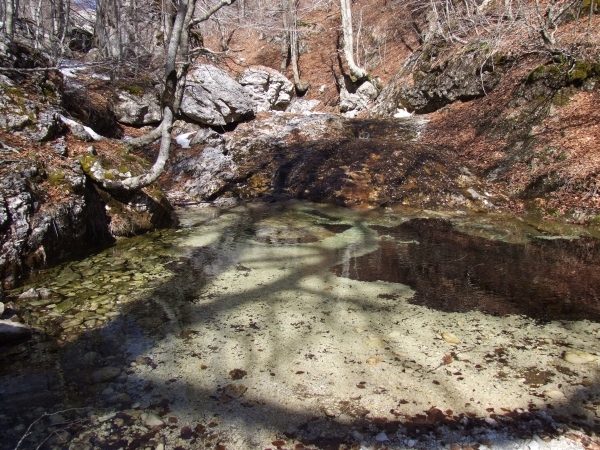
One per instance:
(254, 341)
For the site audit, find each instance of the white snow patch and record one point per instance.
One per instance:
(402, 113)
(184, 139)
(95, 136)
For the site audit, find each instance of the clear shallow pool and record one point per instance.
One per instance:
(316, 325)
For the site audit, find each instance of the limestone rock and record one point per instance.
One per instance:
(12, 333)
(133, 110)
(269, 89)
(464, 77)
(353, 103)
(302, 106)
(554, 394)
(212, 97)
(48, 125)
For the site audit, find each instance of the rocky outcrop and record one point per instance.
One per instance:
(324, 158)
(137, 110)
(212, 97)
(34, 233)
(49, 210)
(270, 90)
(425, 85)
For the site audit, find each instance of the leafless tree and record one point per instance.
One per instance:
(347, 29)
(174, 80)
(289, 42)
(9, 14)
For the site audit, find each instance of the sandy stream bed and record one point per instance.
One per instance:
(270, 349)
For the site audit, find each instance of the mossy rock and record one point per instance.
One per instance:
(56, 177)
(580, 72)
(545, 72)
(87, 162)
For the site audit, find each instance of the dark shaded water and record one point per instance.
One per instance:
(545, 279)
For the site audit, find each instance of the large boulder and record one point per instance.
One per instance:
(137, 110)
(212, 97)
(269, 89)
(351, 103)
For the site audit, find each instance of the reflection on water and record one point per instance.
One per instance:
(546, 279)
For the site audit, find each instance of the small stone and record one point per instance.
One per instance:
(108, 392)
(1, 309)
(237, 374)
(153, 422)
(450, 338)
(381, 437)
(186, 432)
(373, 360)
(119, 422)
(30, 294)
(124, 398)
(143, 360)
(105, 374)
(234, 390)
(357, 435)
(107, 417)
(578, 357)
(91, 150)
(554, 394)
(533, 445)
(71, 323)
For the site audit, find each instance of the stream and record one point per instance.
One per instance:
(301, 325)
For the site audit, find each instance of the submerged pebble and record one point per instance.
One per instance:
(450, 338)
(578, 357)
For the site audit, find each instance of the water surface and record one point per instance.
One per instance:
(312, 324)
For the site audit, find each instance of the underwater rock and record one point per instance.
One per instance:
(450, 338)
(30, 294)
(153, 422)
(105, 374)
(234, 390)
(12, 333)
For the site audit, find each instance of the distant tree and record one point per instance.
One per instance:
(290, 45)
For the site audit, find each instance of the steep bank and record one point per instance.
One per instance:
(49, 210)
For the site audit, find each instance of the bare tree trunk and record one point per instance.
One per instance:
(10, 17)
(65, 16)
(290, 21)
(301, 88)
(356, 72)
(285, 38)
